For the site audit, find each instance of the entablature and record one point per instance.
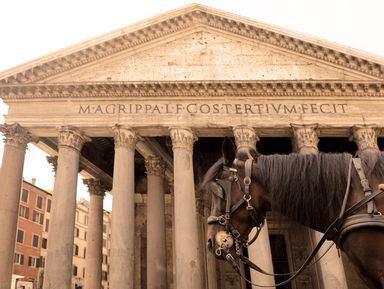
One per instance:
(207, 89)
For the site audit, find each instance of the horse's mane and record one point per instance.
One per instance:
(310, 188)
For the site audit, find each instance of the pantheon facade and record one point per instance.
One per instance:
(141, 113)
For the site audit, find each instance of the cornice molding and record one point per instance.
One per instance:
(194, 89)
(198, 16)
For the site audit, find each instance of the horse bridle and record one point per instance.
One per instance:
(222, 188)
(345, 222)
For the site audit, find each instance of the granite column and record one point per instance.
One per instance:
(188, 273)
(156, 246)
(330, 267)
(58, 269)
(11, 174)
(94, 257)
(123, 210)
(260, 251)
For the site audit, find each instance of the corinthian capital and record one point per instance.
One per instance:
(245, 137)
(155, 166)
(70, 136)
(52, 160)
(16, 135)
(182, 138)
(365, 137)
(305, 138)
(124, 137)
(96, 187)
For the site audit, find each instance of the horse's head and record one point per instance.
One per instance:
(238, 201)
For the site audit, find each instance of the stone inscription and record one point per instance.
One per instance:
(213, 108)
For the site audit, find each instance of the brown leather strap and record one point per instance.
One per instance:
(371, 207)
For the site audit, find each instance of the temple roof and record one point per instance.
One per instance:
(188, 44)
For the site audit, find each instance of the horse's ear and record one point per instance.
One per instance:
(228, 150)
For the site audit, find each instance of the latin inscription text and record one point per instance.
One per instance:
(213, 108)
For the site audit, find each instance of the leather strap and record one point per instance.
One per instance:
(371, 207)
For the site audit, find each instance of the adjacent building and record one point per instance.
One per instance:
(80, 245)
(32, 239)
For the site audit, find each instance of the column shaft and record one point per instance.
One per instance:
(58, 269)
(94, 257)
(123, 211)
(16, 139)
(188, 273)
(330, 267)
(260, 251)
(156, 246)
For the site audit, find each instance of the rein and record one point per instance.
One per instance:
(344, 223)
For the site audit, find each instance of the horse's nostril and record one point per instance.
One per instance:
(210, 244)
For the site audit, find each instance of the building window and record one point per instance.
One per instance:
(38, 217)
(77, 215)
(44, 243)
(104, 243)
(104, 275)
(105, 259)
(74, 270)
(24, 212)
(46, 225)
(75, 250)
(35, 241)
(49, 203)
(39, 202)
(104, 228)
(19, 259)
(42, 262)
(85, 252)
(20, 236)
(85, 235)
(33, 261)
(83, 272)
(24, 195)
(77, 232)
(85, 220)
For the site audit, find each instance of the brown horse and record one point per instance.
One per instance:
(310, 189)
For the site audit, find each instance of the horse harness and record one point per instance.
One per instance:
(346, 221)
(222, 188)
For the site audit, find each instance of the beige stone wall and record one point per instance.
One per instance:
(204, 54)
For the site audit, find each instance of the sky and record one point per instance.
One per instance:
(32, 29)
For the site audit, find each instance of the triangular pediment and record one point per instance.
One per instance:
(204, 54)
(197, 43)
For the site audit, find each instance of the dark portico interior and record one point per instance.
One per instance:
(100, 152)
